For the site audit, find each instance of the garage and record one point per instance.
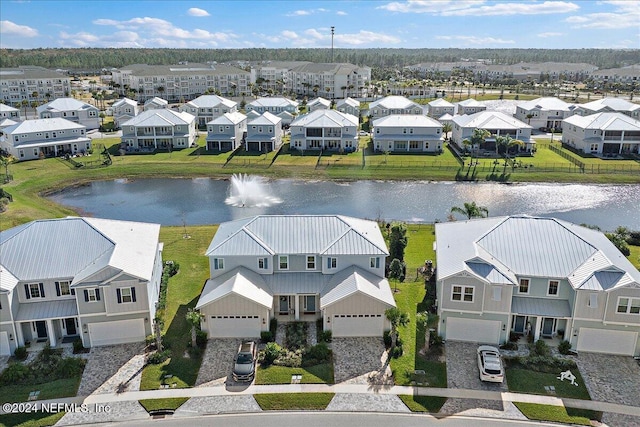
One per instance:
(5, 350)
(473, 330)
(607, 341)
(245, 326)
(357, 325)
(116, 332)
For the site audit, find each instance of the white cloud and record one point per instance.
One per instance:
(289, 34)
(8, 27)
(366, 37)
(341, 13)
(194, 11)
(429, 6)
(626, 14)
(550, 34)
(485, 41)
(299, 13)
(479, 8)
(321, 37)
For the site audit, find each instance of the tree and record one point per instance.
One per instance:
(619, 239)
(194, 318)
(397, 240)
(471, 210)
(446, 128)
(396, 270)
(396, 318)
(504, 143)
(25, 104)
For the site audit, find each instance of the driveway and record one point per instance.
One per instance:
(360, 360)
(103, 363)
(217, 361)
(462, 372)
(613, 379)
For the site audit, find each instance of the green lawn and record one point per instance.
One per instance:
(527, 381)
(293, 401)
(170, 403)
(634, 257)
(66, 387)
(557, 414)
(423, 403)
(182, 294)
(318, 374)
(37, 419)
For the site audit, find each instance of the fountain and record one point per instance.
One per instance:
(249, 191)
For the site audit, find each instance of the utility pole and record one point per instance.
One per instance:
(332, 32)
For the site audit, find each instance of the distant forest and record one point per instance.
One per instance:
(96, 59)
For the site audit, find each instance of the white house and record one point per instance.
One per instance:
(469, 106)
(609, 105)
(544, 113)
(318, 104)
(264, 133)
(96, 279)
(349, 106)
(71, 109)
(296, 267)
(602, 133)
(325, 130)
(407, 133)
(496, 123)
(274, 105)
(8, 112)
(39, 138)
(123, 110)
(439, 107)
(393, 105)
(534, 275)
(227, 132)
(159, 129)
(209, 107)
(155, 103)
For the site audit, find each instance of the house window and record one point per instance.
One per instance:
(628, 305)
(497, 293)
(63, 288)
(34, 290)
(374, 262)
(332, 262)
(593, 301)
(91, 295)
(462, 293)
(218, 263)
(309, 303)
(553, 287)
(311, 262)
(126, 295)
(263, 263)
(524, 286)
(283, 262)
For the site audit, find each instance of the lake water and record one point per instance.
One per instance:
(201, 200)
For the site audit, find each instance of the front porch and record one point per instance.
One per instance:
(290, 308)
(52, 322)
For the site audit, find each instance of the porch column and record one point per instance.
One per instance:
(297, 306)
(19, 336)
(536, 333)
(51, 333)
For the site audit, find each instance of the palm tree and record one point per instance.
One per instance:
(194, 318)
(446, 128)
(503, 143)
(396, 318)
(471, 210)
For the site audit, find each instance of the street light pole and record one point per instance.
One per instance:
(332, 32)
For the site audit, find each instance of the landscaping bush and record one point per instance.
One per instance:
(158, 357)
(634, 238)
(325, 336)
(296, 335)
(316, 355)
(547, 364)
(201, 339)
(396, 352)
(266, 336)
(386, 336)
(15, 373)
(510, 345)
(271, 353)
(70, 367)
(20, 353)
(514, 336)
(540, 348)
(564, 347)
(292, 359)
(435, 340)
(172, 268)
(273, 326)
(78, 347)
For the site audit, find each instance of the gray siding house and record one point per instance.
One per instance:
(325, 130)
(407, 133)
(296, 267)
(227, 132)
(73, 110)
(91, 278)
(539, 276)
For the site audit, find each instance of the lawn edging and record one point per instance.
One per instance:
(293, 401)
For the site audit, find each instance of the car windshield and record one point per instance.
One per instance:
(244, 358)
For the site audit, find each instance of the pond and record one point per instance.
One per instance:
(202, 200)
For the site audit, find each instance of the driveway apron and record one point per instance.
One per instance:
(360, 360)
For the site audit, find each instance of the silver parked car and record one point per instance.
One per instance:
(244, 366)
(490, 364)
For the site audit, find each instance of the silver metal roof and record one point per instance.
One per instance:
(160, 117)
(296, 283)
(325, 119)
(58, 309)
(65, 104)
(353, 280)
(605, 121)
(540, 307)
(240, 281)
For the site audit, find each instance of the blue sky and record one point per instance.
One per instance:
(306, 24)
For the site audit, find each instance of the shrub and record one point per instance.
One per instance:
(158, 357)
(434, 341)
(510, 345)
(325, 336)
(396, 352)
(273, 326)
(20, 353)
(514, 336)
(69, 367)
(564, 347)
(201, 339)
(266, 336)
(271, 352)
(292, 359)
(296, 335)
(172, 268)
(386, 337)
(14, 374)
(318, 353)
(78, 347)
(540, 348)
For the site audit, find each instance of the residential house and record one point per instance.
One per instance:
(318, 104)
(264, 133)
(539, 276)
(469, 106)
(88, 278)
(496, 123)
(544, 113)
(155, 103)
(273, 105)
(393, 105)
(439, 107)
(605, 134)
(227, 132)
(8, 112)
(71, 109)
(39, 138)
(209, 107)
(325, 130)
(349, 106)
(609, 105)
(407, 133)
(30, 83)
(159, 129)
(296, 267)
(123, 110)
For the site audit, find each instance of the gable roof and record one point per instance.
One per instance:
(394, 102)
(546, 103)
(440, 102)
(489, 120)
(266, 118)
(208, 101)
(156, 101)
(228, 119)
(609, 104)
(65, 104)
(353, 280)
(240, 281)
(43, 125)
(160, 117)
(470, 103)
(413, 120)
(124, 101)
(325, 118)
(349, 102)
(298, 234)
(605, 121)
(273, 102)
(319, 100)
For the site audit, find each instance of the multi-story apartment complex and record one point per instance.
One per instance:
(30, 83)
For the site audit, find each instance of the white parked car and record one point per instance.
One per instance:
(363, 133)
(490, 364)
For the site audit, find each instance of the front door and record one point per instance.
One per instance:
(518, 324)
(41, 328)
(547, 326)
(70, 324)
(284, 305)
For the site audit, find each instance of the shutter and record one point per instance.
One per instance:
(133, 294)
(41, 290)
(58, 288)
(377, 262)
(266, 263)
(119, 296)
(329, 262)
(26, 291)
(73, 291)
(98, 294)
(86, 295)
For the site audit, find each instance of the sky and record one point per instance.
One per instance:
(556, 24)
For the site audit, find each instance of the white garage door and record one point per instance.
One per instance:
(4, 344)
(116, 332)
(357, 325)
(611, 342)
(482, 331)
(234, 326)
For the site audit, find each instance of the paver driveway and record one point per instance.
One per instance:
(217, 362)
(462, 372)
(613, 379)
(105, 362)
(360, 360)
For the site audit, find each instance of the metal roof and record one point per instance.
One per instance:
(325, 119)
(43, 125)
(348, 101)
(210, 101)
(276, 101)
(296, 283)
(440, 102)
(123, 101)
(354, 280)
(240, 281)
(488, 272)
(407, 120)
(190, 69)
(265, 118)
(65, 104)
(615, 104)
(548, 307)
(489, 120)
(7, 108)
(156, 101)
(602, 280)
(605, 121)
(394, 102)
(160, 117)
(546, 103)
(58, 309)
(228, 119)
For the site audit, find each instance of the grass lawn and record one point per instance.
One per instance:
(182, 294)
(634, 257)
(526, 381)
(66, 387)
(557, 414)
(318, 374)
(423, 403)
(37, 419)
(170, 403)
(293, 401)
